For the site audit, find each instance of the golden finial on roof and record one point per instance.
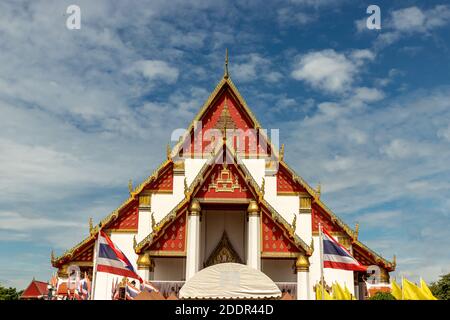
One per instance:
(168, 152)
(356, 231)
(91, 225)
(312, 245)
(134, 241)
(52, 255)
(185, 186)
(130, 186)
(319, 189)
(294, 223)
(226, 75)
(282, 152)
(394, 261)
(263, 186)
(153, 221)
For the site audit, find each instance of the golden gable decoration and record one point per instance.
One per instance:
(224, 252)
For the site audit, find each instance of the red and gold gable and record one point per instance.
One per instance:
(318, 215)
(362, 257)
(127, 218)
(223, 182)
(173, 237)
(85, 255)
(226, 113)
(163, 183)
(274, 240)
(285, 183)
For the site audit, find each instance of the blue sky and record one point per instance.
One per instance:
(365, 112)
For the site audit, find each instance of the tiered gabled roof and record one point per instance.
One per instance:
(225, 86)
(190, 193)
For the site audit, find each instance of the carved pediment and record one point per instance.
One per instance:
(223, 252)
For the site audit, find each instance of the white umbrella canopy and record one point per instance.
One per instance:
(230, 281)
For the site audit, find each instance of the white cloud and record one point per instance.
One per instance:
(444, 133)
(329, 70)
(252, 67)
(156, 70)
(413, 20)
(16, 222)
(365, 94)
(408, 19)
(292, 17)
(326, 70)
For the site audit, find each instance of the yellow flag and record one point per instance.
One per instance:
(426, 290)
(348, 294)
(319, 293)
(412, 292)
(396, 290)
(338, 292)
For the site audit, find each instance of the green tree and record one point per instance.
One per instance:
(441, 288)
(9, 293)
(382, 296)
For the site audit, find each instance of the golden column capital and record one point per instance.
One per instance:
(253, 208)
(302, 263)
(145, 262)
(195, 208)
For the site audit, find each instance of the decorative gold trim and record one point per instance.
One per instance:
(223, 252)
(194, 208)
(302, 263)
(253, 209)
(305, 203)
(123, 230)
(145, 200)
(224, 200)
(284, 255)
(160, 253)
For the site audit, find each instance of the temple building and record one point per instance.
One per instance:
(224, 194)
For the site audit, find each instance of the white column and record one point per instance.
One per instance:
(304, 223)
(302, 267)
(193, 240)
(144, 219)
(254, 236)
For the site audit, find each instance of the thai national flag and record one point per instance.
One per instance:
(131, 291)
(336, 256)
(147, 286)
(84, 289)
(111, 260)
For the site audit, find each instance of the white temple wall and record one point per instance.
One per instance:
(279, 270)
(343, 277)
(191, 168)
(169, 269)
(257, 168)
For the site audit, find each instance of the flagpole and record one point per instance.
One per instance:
(94, 273)
(321, 260)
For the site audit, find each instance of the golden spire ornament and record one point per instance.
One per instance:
(282, 152)
(153, 221)
(91, 225)
(319, 189)
(226, 75)
(168, 152)
(130, 186)
(294, 224)
(356, 231)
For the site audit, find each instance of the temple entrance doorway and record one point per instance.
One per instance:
(223, 234)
